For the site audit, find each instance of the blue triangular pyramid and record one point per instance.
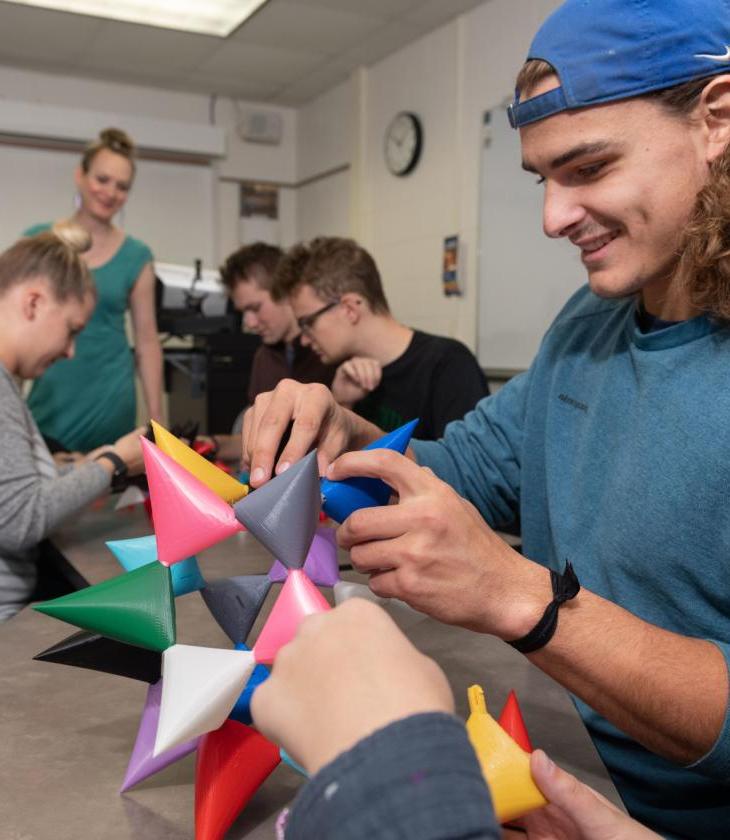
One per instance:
(341, 498)
(139, 551)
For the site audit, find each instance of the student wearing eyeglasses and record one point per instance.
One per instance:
(388, 373)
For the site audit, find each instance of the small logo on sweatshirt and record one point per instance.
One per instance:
(581, 406)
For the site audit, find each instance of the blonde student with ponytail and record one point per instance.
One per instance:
(89, 400)
(47, 296)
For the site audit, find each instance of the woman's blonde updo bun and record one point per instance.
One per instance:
(113, 139)
(78, 239)
(54, 255)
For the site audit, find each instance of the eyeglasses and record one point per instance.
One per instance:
(306, 322)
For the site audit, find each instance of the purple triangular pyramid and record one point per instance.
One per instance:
(142, 762)
(283, 514)
(321, 565)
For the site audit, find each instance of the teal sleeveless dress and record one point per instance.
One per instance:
(89, 401)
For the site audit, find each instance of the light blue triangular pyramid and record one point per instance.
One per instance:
(186, 575)
(341, 498)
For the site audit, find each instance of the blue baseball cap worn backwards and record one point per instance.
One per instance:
(607, 50)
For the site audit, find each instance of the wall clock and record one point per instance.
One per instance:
(403, 143)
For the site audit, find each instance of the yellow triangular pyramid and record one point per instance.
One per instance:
(505, 765)
(218, 481)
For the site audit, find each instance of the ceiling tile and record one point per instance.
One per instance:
(259, 62)
(434, 13)
(235, 86)
(386, 41)
(375, 8)
(137, 47)
(294, 26)
(47, 35)
(314, 83)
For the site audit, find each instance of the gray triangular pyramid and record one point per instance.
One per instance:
(235, 602)
(283, 514)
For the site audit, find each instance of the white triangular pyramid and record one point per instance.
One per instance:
(200, 686)
(404, 615)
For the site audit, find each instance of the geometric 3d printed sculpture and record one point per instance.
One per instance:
(506, 767)
(321, 565)
(511, 720)
(232, 764)
(98, 653)
(298, 598)
(236, 602)
(142, 762)
(188, 516)
(139, 551)
(242, 710)
(341, 498)
(137, 608)
(199, 688)
(219, 482)
(283, 513)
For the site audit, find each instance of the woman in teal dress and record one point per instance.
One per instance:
(89, 400)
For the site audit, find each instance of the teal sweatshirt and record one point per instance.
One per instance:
(613, 451)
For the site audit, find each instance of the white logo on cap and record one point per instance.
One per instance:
(725, 57)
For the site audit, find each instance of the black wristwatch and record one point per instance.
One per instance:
(120, 469)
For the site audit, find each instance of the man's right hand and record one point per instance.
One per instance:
(317, 420)
(355, 379)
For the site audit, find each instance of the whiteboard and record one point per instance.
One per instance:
(170, 206)
(524, 278)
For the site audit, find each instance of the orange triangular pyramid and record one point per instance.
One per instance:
(213, 477)
(506, 767)
(232, 763)
(298, 598)
(510, 719)
(188, 516)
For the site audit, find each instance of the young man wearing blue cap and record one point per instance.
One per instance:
(610, 452)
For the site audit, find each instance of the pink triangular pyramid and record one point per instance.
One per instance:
(188, 516)
(298, 598)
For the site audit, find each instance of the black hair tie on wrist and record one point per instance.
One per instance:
(565, 587)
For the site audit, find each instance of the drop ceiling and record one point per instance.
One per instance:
(287, 53)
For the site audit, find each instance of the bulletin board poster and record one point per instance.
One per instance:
(450, 275)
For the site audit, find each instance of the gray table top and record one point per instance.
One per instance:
(67, 733)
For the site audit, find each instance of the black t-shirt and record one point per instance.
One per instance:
(437, 379)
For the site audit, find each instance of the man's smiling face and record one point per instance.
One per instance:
(620, 182)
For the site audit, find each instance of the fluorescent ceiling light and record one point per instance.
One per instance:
(209, 17)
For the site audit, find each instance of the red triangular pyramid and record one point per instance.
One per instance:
(188, 516)
(232, 764)
(510, 719)
(298, 598)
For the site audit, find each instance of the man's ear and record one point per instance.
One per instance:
(715, 111)
(353, 306)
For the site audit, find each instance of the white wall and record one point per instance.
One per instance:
(182, 211)
(449, 78)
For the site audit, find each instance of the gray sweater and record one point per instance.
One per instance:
(34, 495)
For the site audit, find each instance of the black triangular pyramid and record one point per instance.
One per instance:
(98, 653)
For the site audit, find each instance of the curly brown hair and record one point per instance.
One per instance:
(332, 266)
(703, 252)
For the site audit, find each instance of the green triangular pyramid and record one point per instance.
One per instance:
(137, 608)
